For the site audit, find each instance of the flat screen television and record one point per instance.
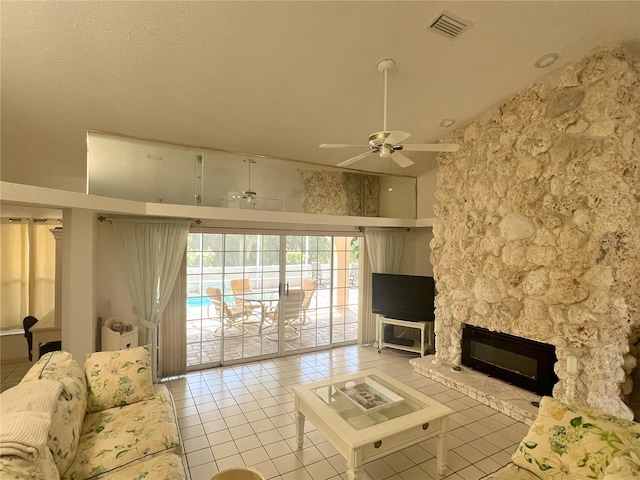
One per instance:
(403, 297)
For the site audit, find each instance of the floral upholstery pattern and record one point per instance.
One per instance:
(118, 378)
(568, 442)
(624, 466)
(117, 436)
(166, 466)
(136, 441)
(70, 408)
(16, 468)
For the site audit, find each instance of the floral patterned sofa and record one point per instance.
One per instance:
(108, 421)
(567, 442)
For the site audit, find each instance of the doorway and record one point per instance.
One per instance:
(256, 296)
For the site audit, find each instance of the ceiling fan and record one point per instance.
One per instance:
(249, 196)
(388, 144)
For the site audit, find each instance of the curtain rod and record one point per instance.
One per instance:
(102, 218)
(275, 231)
(363, 229)
(31, 220)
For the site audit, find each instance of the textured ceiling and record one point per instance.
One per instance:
(271, 78)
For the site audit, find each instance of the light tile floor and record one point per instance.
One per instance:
(12, 373)
(244, 415)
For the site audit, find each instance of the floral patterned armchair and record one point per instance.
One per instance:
(566, 442)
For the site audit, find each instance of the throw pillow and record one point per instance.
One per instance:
(573, 442)
(118, 378)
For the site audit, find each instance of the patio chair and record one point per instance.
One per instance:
(292, 313)
(231, 318)
(309, 286)
(240, 287)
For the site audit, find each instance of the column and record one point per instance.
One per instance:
(79, 313)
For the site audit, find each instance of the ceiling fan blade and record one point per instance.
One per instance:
(431, 147)
(396, 137)
(356, 158)
(401, 159)
(340, 145)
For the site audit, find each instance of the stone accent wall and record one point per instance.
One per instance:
(339, 193)
(537, 229)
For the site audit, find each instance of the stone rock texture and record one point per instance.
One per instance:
(340, 193)
(537, 230)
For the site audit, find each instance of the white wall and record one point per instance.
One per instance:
(427, 194)
(400, 202)
(415, 258)
(113, 298)
(79, 320)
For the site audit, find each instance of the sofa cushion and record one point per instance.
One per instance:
(118, 436)
(165, 466)
(573, 440)
(624, 466)
(16, 468)
(117, 378)
(66, 422)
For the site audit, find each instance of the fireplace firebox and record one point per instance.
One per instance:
(519, 361)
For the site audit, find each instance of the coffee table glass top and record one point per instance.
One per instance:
(367, 400)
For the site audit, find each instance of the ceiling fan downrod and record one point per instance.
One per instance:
(385, 66)
(249, 194)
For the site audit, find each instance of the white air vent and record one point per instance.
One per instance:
(449, 25)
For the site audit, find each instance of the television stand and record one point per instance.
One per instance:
(426, 329)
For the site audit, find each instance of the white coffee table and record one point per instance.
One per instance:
(362, 429)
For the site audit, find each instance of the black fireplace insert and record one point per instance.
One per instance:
(519, 361)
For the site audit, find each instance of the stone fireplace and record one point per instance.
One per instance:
(518, 361)
(537, 230)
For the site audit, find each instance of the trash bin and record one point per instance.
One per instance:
(238, 473)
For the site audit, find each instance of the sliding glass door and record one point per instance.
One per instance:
(252, 296)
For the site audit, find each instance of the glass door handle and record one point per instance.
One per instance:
(283, 289)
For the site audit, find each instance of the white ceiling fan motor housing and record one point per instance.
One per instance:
(376, 140)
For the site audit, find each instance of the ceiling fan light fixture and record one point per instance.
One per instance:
(249, 195)
(388, 143)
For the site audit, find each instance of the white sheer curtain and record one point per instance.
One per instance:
(154, 250)
(42, 269)
(173, 331)
(383, 247)
(27, 271)
(367, 333)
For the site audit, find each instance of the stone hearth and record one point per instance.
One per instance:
(508, 399)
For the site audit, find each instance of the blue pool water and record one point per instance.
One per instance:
(197, 301)
(204, 301)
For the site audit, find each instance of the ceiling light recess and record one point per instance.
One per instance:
(447, 122)
(547, 60)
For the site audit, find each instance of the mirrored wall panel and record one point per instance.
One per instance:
(147, 171)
